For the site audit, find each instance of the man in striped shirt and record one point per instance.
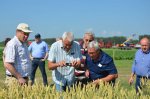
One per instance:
(64, 57)
(17, 61)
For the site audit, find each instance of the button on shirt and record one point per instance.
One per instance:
(17, 53)
(63, 75)
(141, 64)
(101, 68)
(38, 50)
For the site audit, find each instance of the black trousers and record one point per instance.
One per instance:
(35, 63)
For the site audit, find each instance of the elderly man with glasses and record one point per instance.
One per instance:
(64, 57)
(17, 61)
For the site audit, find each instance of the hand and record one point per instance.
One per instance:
(31, 58)
(76, 63)
(131, 80)
(61, 63)
(21, 81)
(96, 82)
(43, 59)
(87, 73)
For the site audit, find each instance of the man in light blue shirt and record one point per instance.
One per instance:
(38, 54)
(64, 57)
(141, 64)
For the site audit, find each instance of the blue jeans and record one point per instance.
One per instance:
(41, 64)
(138, 84)
(62, 88)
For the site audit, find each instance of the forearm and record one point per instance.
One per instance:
(46, 55)
(132, 75)
(109, 77)
(31, 57)
(12, 70)
(52, 66)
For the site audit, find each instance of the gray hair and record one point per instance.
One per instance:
(90, 34)
(68, 35)
(94, 44)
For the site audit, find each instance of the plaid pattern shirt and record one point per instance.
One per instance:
(17, 53)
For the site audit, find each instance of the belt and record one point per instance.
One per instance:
(15, 77)
(147, 77)
(10, 75)
(38, 58)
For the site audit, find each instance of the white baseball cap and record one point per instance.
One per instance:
(24, 27)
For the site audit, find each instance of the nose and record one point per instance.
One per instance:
(91, 54)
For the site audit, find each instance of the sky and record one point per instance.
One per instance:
(51, 18)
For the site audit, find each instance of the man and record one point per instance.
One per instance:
(38, 54)
(80, 72)
(64, 57)
(100, 66)
(141, 64)
(17, 61)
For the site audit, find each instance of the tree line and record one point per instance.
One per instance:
(114, 39)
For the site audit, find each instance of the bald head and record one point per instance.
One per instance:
(145, 44)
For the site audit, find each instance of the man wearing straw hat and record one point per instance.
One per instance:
(17, 61)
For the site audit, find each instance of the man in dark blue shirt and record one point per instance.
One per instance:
(141, 64)
(100, 66)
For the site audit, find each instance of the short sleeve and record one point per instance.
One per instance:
(51, 55)
(79, 52)
(46, 47)
(111, 68)
(30, 47)
(10, 53)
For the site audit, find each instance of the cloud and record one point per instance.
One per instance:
(103, 32)
(111, 33)
(89, 30)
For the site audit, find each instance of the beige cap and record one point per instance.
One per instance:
(24, 27)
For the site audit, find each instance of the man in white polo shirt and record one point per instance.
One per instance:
(64, 57)
(17, 61)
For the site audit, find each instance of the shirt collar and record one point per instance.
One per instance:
(61, 44)
(146, 52)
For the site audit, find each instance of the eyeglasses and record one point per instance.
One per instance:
(87, 40)
(25, 33)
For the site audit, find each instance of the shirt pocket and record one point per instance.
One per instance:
(21, 52)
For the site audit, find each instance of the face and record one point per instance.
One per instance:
(87, 39)
(37, 40)
(22, 36)
(93, 53)
(67, 45)
(145, 45)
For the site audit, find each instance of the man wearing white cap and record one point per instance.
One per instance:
(17, 61)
